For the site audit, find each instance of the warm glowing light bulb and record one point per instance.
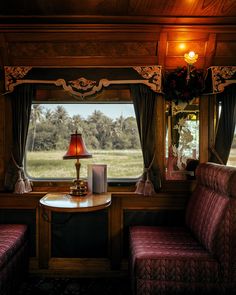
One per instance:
(191, 54)
(190, 57)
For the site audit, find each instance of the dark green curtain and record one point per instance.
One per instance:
(144, 100)
(226, 126)
(21, 100)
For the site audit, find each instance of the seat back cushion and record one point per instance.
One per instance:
(206, 209)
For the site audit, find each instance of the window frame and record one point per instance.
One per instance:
(44, 95)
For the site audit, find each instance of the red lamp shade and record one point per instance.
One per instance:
(77, 148)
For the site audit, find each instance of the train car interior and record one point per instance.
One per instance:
(117, 147)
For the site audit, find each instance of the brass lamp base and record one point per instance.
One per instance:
(80, 188)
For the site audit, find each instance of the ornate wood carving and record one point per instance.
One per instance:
(81, 48)
(82, 87)
(14, 73)
(222, 76)
(151, 73)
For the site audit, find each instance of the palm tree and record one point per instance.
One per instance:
(36, 115)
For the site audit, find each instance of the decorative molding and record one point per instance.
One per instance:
(151, 73)
(14, 73)
(82, 84)
(82, 87)
(222, 76)
(49, 49)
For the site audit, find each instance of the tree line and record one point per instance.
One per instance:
(51, 130)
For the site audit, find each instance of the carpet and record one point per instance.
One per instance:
(75, 286)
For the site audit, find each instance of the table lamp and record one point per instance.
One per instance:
(77, 150)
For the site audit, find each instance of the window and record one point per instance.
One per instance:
(232, 156)
(109, 131)
(182, 139)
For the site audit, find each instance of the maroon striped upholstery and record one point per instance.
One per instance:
(13, 256)
(198, 258)
(163, 255)
(204, 214)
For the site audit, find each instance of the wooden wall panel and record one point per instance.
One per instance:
(177, 48)
(173, 62)
(2, 140)
(80, 48)
(88, 45)
(188, 35)
(225, 49)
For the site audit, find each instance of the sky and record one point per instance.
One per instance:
(111, 110)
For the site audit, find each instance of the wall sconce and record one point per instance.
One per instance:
(190, 58)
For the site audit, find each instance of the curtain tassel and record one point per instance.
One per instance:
(20, 184)
(144, 185)
(148, 187)
(140, 184)
(28, 187)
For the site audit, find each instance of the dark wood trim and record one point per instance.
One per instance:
(210, 50)
(103, 19)
(162, 47)
(204, 132)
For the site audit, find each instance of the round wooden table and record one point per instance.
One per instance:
(62, 202)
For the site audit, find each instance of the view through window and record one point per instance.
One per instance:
(109, 131)
(232, 155)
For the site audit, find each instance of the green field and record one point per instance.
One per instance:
(49, 164)
(120, 163)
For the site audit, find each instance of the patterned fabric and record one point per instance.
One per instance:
(225, 246)
(198, 258)
(204, 213)
(12, 237)
(166, 255)
(14, 272)
(219, 178)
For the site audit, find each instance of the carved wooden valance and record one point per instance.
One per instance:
(82, 82)
(219, 77)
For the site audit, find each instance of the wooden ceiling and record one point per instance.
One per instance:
(117, 33)
(119, 11)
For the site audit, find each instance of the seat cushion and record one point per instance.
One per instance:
(170, 256)
(12, 237)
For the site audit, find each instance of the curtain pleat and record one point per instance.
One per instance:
(144, 100)
(226, 126)
(21, 101)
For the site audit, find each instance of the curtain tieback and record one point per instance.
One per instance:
(22, 185)
(144, 185)
(214, 152)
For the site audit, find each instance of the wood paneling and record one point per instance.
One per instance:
(45, 264)
(116, 45)
(80, 48)
(178, 48)
(204, 129)
(226, 49)
(119, 8)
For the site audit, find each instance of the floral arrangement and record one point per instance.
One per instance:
(183, 84)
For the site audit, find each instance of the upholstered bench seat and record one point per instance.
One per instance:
(12, 237)
(161, 256)
(13, 256)
(200, 257)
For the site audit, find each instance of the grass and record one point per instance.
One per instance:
(50, 164)
(120, 163)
